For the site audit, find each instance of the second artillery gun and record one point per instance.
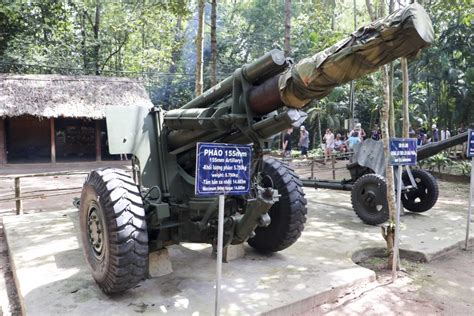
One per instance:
(122, 218)
(368, 186)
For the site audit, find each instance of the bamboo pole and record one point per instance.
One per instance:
(333, 162)
(19, 202)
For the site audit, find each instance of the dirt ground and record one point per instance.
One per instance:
(441, 287)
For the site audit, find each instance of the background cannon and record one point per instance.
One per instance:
(123, 219)
(368, 187)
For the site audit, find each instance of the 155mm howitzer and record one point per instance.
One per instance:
(123, 219)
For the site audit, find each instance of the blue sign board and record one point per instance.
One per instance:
(470, 143)
(223, 169)
(402, 151)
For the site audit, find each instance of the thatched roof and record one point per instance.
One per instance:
(67, 96)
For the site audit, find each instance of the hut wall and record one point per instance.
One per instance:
(75, 139)
(28, 138)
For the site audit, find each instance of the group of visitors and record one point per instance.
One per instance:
(435, 135)
(345, 144)
(303, 142)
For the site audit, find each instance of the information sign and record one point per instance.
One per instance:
(223, 169)
(402, 151)
(470, 143)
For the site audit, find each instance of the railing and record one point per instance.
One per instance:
(314, 161)
(21, 196)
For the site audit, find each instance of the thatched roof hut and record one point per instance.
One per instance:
(53, 96)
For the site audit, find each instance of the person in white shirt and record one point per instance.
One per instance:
(445, 133)
(329, 140)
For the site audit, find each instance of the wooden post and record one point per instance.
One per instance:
(18, 202)
(312, 169)
(98, 152)
(3, 142)
(333, 162)
(53, 140)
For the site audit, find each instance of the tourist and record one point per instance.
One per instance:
(339, 144)
(376, 133)
(353, 140)
(329, 140)
(304, 141)
(445, 133)
(287, 143)
(434, 133)
(359, 130)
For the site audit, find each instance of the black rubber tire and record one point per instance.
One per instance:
(113, 230)
(425, 196)
(369, 199)
(288, 215)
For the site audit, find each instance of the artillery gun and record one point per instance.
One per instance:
(123, 218)
(369, 189)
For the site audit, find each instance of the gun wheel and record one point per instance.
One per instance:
(425, 196)
(113, 230)
(288, 215)
(369, 199)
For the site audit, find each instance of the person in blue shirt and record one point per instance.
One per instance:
(353, 139)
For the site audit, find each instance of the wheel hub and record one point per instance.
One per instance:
(95, 232)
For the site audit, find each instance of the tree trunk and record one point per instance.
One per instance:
(199, 51)
(85, 61)
(372, 14)
(96, 38)
(406, 118)
(390, 233)
(391, 116)
(352, 84)
(213, 61)
(175, 56)
(320, 138)
(390, 87)
(333, 15)
(287, 48)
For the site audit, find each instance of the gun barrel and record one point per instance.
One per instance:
(432, 149)
(263, 86)
(266, 66)
(404, 33)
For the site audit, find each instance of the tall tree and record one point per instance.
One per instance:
(390, 83)
(287, 46)
(198, 88)
(405, 93)
(213, 61)
(96, 29)
(389, 232)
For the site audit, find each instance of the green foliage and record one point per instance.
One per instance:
(316, 153)
(153, 40)
(464, 167)
(438, 161)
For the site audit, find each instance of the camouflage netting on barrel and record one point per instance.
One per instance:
(402, 34)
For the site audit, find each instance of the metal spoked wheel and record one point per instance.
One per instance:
(425, 196)
(369, 199)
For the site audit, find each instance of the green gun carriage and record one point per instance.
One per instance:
(123, 218)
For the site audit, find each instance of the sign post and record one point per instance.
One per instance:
(222, 169)
(402, 153)
(470, 153)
